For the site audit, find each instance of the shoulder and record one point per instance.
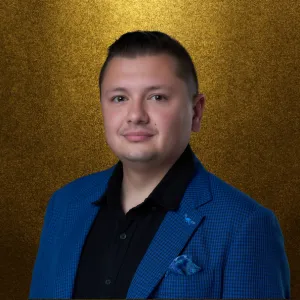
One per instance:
(233, 214)
(81, 186)
(232, 205)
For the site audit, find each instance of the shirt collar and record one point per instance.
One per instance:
(167, 194)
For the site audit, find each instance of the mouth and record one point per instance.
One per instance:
(138, 138)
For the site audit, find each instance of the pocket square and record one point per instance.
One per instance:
(183, 265)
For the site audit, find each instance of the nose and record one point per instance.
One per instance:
(137, 112)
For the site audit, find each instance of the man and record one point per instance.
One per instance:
(157, 224)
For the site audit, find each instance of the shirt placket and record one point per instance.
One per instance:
(124, 230)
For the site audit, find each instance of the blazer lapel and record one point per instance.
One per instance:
(165, 246)
(172, 236)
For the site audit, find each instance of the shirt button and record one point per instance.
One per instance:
(153, 208)
(123, 236)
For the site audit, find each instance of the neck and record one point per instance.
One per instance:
(137, 185)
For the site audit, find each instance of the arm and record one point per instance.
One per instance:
(257, 265)
(43, 258)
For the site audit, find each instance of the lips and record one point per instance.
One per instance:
(138, 138)
(138, 133)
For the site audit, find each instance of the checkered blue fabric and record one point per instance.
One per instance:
(234, 245)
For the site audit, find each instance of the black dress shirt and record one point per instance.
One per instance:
(116, 243)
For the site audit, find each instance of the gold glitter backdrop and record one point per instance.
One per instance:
(247, 55)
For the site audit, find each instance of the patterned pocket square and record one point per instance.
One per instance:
(183, 265)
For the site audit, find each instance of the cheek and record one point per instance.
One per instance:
(112, 121)
(169, 121)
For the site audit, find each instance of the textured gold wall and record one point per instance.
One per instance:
(247, 55)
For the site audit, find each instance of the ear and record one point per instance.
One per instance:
(198, 109)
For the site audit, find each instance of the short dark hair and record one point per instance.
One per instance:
(139, 43)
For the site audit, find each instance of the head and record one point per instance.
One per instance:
(169, 111)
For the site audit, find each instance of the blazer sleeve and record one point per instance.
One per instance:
(257, 265)
(43, 258)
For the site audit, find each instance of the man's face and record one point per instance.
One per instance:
(138, 109)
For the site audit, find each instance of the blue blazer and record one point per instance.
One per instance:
(234, 243)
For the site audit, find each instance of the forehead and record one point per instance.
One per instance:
(151, 67)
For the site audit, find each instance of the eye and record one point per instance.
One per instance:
(162, 96)
(121, 97)
(116, 97)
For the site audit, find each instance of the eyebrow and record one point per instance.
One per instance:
(150, 88)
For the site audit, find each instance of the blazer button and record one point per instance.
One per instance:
(107, 281)
(123, 236)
